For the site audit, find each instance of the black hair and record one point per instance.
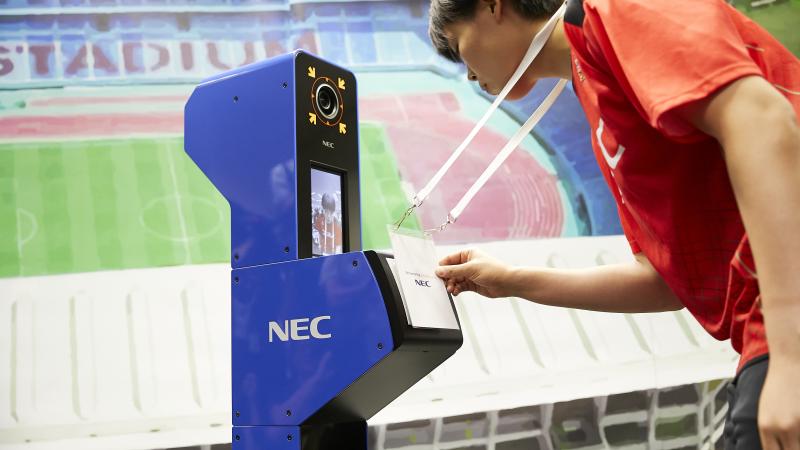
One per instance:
(447, 12)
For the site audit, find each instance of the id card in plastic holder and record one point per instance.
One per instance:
(424, 294)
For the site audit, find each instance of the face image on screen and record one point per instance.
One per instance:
(326, 213)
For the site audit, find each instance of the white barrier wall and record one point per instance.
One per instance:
(140, 358)
(108, 353)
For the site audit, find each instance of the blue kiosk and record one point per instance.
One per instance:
(320, 335)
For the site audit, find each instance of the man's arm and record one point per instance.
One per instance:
(633, 287)
(626, 288)
(758, 130)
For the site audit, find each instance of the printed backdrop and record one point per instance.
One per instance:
(93, 175)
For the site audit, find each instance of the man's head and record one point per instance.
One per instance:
(489, 36)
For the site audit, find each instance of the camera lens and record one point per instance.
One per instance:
(327, 101)
(324, 100)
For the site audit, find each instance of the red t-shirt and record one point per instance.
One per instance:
(634, 63)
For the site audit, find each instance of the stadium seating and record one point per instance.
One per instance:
(362, 42)
(565, 130)
(359, 34)
(11, 27)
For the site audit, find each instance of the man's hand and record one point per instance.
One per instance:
(472, 270)
(778, 412)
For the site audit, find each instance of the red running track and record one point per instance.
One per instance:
(520, 201)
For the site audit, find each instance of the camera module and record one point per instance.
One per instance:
(327, 101)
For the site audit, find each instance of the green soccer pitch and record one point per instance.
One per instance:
(779, 18)
(81, 206)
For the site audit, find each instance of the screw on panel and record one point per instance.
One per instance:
(355, 263)
(380, 345)
(285, 84)
(235, 98)
(236, 256)
(285, 249)
(237, 437)
(236, 280)
(289, 437)
(288, 412)
(237, 413)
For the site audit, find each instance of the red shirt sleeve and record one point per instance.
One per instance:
(668, 53)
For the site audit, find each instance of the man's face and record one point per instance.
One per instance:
(492, 44)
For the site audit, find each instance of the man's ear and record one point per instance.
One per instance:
(495, 7)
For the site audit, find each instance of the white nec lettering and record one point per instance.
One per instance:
(297, 330)
(612, 161)
(327, 144)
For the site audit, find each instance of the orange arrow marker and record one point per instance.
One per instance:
(312, 118)
(312, 72)
(342, 128)
(341, 84)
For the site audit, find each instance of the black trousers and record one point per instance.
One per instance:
(741, 423)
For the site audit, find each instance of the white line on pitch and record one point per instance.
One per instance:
(181, 220)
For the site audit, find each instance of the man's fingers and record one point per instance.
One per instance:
(789, 437)
(779, 433)
(769, 441)
(453, 272)
(456, 258)
(458, 288)
(452, 287)
(449, 260)
(790, 441)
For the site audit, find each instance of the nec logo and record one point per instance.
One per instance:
(423, 283)
(327, 144)
(297, 330)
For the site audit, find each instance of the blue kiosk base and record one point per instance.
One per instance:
(320, 336)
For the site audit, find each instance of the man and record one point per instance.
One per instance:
(693, 109)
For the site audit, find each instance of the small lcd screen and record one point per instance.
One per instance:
(327, 232)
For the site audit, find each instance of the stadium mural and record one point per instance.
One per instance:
(93, 175)
(91, 121)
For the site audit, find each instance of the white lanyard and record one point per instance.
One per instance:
(534, 49)
(506, 151)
